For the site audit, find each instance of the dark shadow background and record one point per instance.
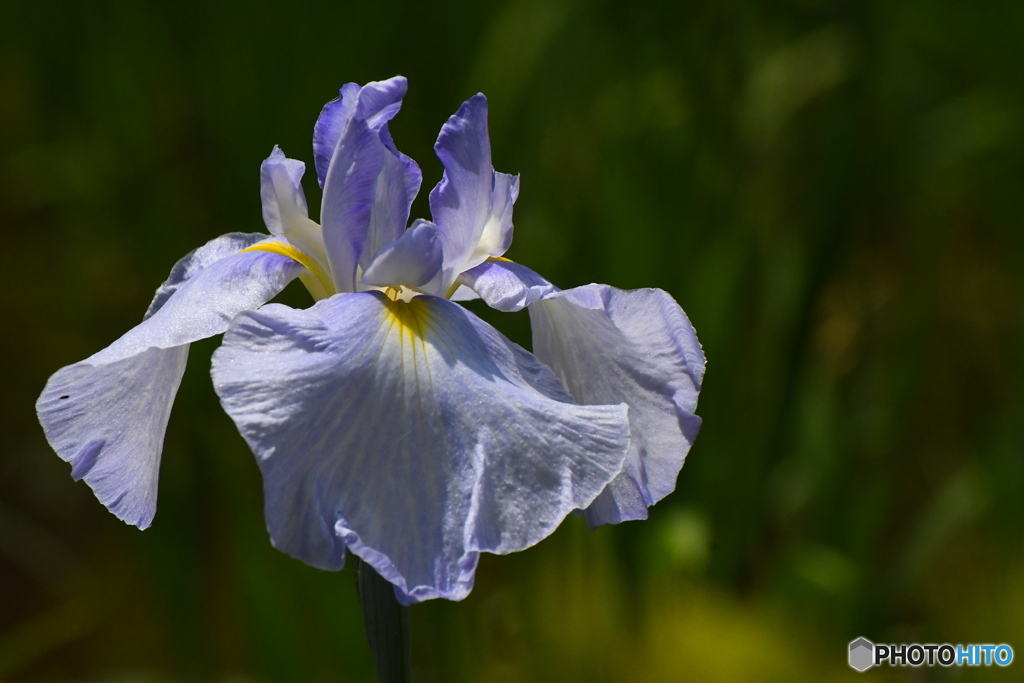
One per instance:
(832, 190)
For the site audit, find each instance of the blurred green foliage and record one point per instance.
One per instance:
(832, 190)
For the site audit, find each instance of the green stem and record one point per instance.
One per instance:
(387, 625)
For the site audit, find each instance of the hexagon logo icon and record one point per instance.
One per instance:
(862, 654)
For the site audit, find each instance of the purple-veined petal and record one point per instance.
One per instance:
(414, 259)
(349, 195)
(411, 176)
(504, 285)
(472, 205)
(412, 434)
(284, 205)
(108, 421)
(198, 260)
(376, 102)
(107, 414)
(329, 127)
(368, 186)
(496, 236)
(397, 187)
(284, 201)
(379, 101)
(637, 347)
(203, 306)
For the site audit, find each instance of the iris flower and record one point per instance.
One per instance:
(388, 420)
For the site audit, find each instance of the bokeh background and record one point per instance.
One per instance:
(833, 191)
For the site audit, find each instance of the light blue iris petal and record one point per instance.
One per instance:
(329, 127)
(416, 445)
(369, 186)
(638, 347)
(349, 194)
(284, 202)
(197, 260)
(381, 100)
(397, 186)
(108, 421)
(412, 177)
(284, 205)
(496, 237)
(107, 414)
(203, 306)
(504, 285)
(414, 259)
(463, 293)
(472, 205)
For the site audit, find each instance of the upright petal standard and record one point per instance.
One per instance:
(387, 420)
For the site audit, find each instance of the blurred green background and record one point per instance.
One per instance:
(832, 190)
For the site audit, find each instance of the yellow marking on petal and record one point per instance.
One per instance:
(412, 318)
(320, 285)
(500, 258)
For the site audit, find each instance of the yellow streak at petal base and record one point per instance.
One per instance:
(318, 282)
(409, 319)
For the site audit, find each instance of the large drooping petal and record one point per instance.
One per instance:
(368, 185)
(107, 414)
(472, 205)
(637, 347)
(413, 434)
(504, 285)
(284, 205)
(108, 420)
